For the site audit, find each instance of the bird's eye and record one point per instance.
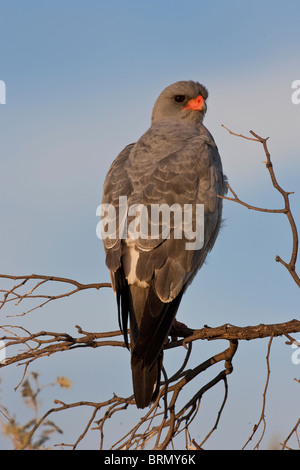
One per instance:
(179, 98)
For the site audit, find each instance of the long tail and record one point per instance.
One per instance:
(150, 322)
(146, 382)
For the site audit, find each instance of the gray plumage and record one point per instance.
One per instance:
(175, 161)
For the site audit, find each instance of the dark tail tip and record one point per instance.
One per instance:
(145, 383)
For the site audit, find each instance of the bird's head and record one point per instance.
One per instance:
(181, 100)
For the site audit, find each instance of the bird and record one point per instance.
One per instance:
(176, 161)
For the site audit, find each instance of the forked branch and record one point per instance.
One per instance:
(286, 210)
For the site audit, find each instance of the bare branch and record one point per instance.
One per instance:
(254, 208)
(262, 416)
(46, 343)
(291, 265)
(293, 431)
(14, 295)
(238, 135)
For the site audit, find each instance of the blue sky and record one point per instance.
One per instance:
(81, 80)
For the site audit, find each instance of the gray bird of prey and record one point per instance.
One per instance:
(177, 162)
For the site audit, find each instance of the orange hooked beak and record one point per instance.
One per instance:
(198, 104)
